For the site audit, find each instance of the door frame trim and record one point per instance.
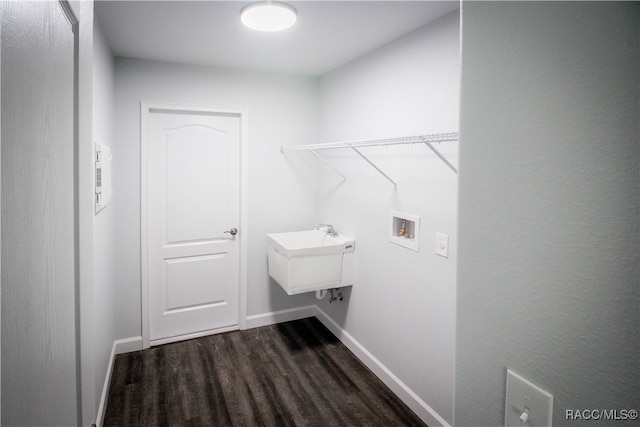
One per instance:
(146, 108)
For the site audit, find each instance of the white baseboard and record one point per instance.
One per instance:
(126, 345)
(417, 405)
(274, 317)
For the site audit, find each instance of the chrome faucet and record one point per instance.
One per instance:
(330, 230)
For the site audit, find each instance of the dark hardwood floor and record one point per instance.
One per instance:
(290, 374)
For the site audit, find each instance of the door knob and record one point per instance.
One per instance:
(233, 231)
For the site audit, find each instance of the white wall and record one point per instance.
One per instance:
(104, 308)
(402, 306)
(282, 110)
(549, 207)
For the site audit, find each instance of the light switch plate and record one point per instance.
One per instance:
(442, 245)
(524, 397)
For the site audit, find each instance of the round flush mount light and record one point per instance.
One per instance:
(268, 16)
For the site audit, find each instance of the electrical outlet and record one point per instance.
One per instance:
(442, 245)
(526, 404)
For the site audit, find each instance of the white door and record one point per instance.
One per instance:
(193, 212)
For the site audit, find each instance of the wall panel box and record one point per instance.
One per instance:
(405, 230)
(103, 190)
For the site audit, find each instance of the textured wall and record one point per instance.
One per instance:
(548, 207)
(104, 308)
(39, 346)
(402, 306)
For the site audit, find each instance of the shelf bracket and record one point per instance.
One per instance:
(374, 166)
(344, 178)
(439, 154)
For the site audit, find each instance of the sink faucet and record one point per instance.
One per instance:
(330, 230)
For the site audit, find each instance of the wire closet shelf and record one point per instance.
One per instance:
(429, 140)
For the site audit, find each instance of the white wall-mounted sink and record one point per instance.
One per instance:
(309, 260)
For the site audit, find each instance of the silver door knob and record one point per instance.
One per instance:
(233, 231)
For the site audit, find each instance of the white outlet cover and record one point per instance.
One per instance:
(442, 245)
(524, 396)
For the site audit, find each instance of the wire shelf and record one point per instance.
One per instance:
(415, 139)
(430, 140)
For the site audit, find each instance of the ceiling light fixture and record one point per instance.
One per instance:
(268, 16)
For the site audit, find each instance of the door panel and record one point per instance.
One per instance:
(196, 176)
(193, 199)
(191, 282)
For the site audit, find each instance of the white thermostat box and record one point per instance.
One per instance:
(102, 176)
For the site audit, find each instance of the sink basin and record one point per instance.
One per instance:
(309, 260)
(309, 242)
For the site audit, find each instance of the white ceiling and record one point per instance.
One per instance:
(327, 35)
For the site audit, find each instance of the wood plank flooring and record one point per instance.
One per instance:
(290, 374)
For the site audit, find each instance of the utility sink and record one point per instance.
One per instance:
(309, 260)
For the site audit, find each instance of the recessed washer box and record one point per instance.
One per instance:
(405, 230)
